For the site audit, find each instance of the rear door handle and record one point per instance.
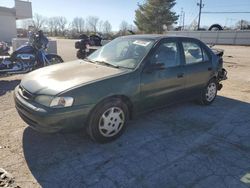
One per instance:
(180, 75)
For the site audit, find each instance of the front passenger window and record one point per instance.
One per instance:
(167, 54)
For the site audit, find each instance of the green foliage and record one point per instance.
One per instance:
(153, 15)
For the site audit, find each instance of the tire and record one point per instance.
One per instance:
(108, 121)
(80, 54)
(215, 27)
(55, 59)
(209, 93)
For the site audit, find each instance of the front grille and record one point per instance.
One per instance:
(25, 94)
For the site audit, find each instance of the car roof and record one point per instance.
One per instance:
(155, 36)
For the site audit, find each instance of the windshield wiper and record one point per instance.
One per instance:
(106, 63)
(87, 59)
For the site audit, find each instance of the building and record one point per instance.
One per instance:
(8, 17)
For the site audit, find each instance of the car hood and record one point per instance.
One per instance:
(55, 79)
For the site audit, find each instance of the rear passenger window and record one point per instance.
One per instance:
(194, 53)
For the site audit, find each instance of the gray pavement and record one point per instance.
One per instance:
(183, 146)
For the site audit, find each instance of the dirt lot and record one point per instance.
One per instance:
(186, 145)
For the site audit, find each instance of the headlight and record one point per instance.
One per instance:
(54, 102)
(60, 102)
(44, 100)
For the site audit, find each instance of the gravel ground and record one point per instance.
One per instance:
(185, 145)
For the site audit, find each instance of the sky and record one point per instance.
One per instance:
(117, 10)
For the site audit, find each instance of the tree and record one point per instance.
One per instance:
(50, 25)
(132, 27)
(243, 24)
(193, 26)
(38, 22)
(107, 28)
(124, 26)
(154, 15)
(61, 21)
(92, 22)
(78, 24)
(53, 26)
(100, 26)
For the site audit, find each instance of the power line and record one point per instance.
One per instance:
(226, 12)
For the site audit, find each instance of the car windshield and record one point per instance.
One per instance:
(122, 52)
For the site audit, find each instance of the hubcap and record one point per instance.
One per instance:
(211, 92)
(111, 121)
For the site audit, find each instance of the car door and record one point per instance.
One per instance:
(198, 66)
(162, 79)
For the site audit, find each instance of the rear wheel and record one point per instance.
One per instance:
(107, 122)
(209, 93)
(55, 60)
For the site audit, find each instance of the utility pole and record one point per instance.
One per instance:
(182, 19)
(201, 5)
(183, 24)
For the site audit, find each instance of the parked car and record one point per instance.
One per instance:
(128, 76)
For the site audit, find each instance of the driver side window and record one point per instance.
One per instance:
(167, 54)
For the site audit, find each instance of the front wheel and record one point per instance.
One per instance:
(107, 122)
(209, 93)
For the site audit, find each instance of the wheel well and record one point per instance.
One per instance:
(123, 98)
(214, 77)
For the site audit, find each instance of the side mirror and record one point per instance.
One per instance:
(154, 67)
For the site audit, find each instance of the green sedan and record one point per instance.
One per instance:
(126, 77)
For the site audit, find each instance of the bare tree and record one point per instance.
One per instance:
(107, 28)
(243, 24)
(51, 23)
(92, 23)
(124, 26)
(61, 21)
(133, 28)
(38, 21)
(78, 24)
(100, 26)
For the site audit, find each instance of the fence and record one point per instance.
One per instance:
(217, 37)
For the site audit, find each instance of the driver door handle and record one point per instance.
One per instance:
(180, 75)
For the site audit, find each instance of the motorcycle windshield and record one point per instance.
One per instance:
(25, 49)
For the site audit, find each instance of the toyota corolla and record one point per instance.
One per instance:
(126, 77)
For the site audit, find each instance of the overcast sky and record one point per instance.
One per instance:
(117, 10)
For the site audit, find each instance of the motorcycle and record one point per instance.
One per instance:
(30, 56)
(87, 45)
(4, 48)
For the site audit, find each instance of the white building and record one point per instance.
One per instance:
(8, 17)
